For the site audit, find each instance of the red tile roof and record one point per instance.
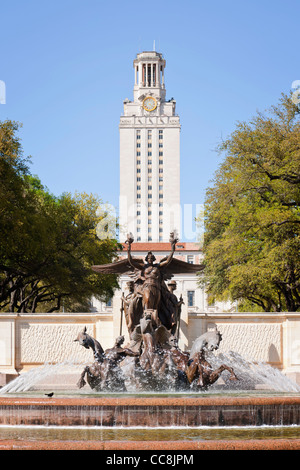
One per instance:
(152, 246)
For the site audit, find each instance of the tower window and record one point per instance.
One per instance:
(191, 298)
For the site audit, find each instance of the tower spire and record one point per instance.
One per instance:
(154, 45)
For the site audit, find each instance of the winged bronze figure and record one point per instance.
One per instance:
(149, 280)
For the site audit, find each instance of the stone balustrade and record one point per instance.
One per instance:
(30, 340)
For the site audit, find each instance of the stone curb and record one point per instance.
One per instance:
(264, 444)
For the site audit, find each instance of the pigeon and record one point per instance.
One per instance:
(49, 394)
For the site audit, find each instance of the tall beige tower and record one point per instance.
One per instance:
(149, 156)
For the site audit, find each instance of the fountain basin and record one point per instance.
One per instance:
(140, 434)
(151, 411)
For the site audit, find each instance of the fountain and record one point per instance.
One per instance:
(150, 384)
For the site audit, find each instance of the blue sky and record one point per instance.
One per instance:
(67, 66)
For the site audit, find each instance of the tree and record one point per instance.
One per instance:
(47, 244)
(252, 214)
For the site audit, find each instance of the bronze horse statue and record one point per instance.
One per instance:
(209, 341)
(87, 342)
(155, 358)
(199, 368)
(158, 364)
(152, 313)
(105, 372)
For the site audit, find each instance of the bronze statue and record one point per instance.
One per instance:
(149, 280)
(132, 306)
(152, 360)
(155, 355)
(104, 373)
(87, 342)
(198, 368)
(175, 305)
(158, 365)
(209, 341)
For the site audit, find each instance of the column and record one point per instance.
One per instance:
(151, 81)
(10, 349)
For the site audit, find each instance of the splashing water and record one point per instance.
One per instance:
(251, 376)
(30, 380)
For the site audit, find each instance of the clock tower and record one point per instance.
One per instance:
(149, 156)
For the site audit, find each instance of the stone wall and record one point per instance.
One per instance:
(29, 340)
(273, 338)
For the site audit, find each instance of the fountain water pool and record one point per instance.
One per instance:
(64, 376)
(95, 433)
(263, 406)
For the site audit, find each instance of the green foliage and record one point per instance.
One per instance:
(47, 244)
(252, 214)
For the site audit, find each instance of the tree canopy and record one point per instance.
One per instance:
(47, 243)
(252, 214)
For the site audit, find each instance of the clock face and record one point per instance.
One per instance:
(149, 103)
